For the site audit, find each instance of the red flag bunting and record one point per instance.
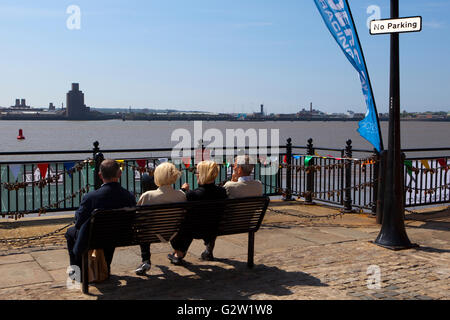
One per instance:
(187, 162)
(442, 162)
(141, 163)
(43, 167)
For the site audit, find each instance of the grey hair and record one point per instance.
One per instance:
(245, 162)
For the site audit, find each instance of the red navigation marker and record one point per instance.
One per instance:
(20, 136)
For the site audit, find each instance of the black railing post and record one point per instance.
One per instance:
(376, 172)
(403, 157)
(348, 177)
(309, 173)
(381, 185)
(288, 192)
(98, 158)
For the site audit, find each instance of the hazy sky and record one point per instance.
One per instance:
(214, 55)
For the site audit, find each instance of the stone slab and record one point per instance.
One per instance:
(125, 259)
(59, 276)
(315, 236)
(52, 259)
(348, 233)
(15, 258)
(21, 274)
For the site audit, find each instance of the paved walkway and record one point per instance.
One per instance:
(296, 258)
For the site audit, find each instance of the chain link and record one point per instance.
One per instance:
(301, 215)
(13, 240)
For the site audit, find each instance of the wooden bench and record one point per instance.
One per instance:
(161, 222)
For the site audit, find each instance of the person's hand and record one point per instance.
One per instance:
(185, 186)
(234, 177)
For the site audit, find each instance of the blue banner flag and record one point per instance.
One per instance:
(337, 16)
(68, 166)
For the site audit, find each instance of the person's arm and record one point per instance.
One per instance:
(185, 187)
(83, 212)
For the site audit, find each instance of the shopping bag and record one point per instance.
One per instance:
(97, 267)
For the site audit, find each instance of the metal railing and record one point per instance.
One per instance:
(345, 177)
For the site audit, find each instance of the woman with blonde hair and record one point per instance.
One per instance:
(207, 172)
(165, 175)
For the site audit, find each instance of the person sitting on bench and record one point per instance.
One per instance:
(166, 174)
(242, 183)
(110, 195)
(207, 172)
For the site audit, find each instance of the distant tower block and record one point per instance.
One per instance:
(310, 107)
(23, 103)
(262, 109)
(17, 103)
(75, 107)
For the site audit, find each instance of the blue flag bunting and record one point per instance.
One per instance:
(68, 166)
(336, 15)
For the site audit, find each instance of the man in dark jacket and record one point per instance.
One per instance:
(110, 195)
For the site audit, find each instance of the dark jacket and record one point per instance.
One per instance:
(109, 196)
(206, 192)
(209, 220)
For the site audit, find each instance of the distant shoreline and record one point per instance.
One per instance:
(43, 118)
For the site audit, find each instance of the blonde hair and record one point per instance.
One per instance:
(207, 172)
(166, 174)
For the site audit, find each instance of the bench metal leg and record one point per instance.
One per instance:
(85, 273)
(251, 249)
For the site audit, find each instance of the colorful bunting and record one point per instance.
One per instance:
(408, 164)
(43, 167)
(443, 163)
(121, 163)
(307, 160)
(68, 166)
(15, 169)
(425, 164)
(186, 162)
(141, 163)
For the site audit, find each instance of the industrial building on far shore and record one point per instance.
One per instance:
(76, 109)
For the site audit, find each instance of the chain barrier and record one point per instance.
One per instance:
(14, 240)
(301, 215)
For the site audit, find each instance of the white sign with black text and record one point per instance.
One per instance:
(411, 24)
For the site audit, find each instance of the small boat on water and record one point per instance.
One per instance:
(20, 136)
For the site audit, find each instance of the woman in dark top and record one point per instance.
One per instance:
(207, 172)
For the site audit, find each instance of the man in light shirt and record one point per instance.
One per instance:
(242, 183)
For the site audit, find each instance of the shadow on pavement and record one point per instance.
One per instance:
(208, 281)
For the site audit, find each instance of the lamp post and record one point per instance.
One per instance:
(393, 234)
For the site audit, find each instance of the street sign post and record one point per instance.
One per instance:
(401, 25)
(393, 233)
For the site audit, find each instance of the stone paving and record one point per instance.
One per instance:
(296, 258)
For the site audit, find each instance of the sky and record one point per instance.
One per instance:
(215, 55)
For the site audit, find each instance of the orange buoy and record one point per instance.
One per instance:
(20, 136)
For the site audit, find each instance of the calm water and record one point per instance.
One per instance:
(117, 134)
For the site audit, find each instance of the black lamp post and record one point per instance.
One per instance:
(393, 234)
